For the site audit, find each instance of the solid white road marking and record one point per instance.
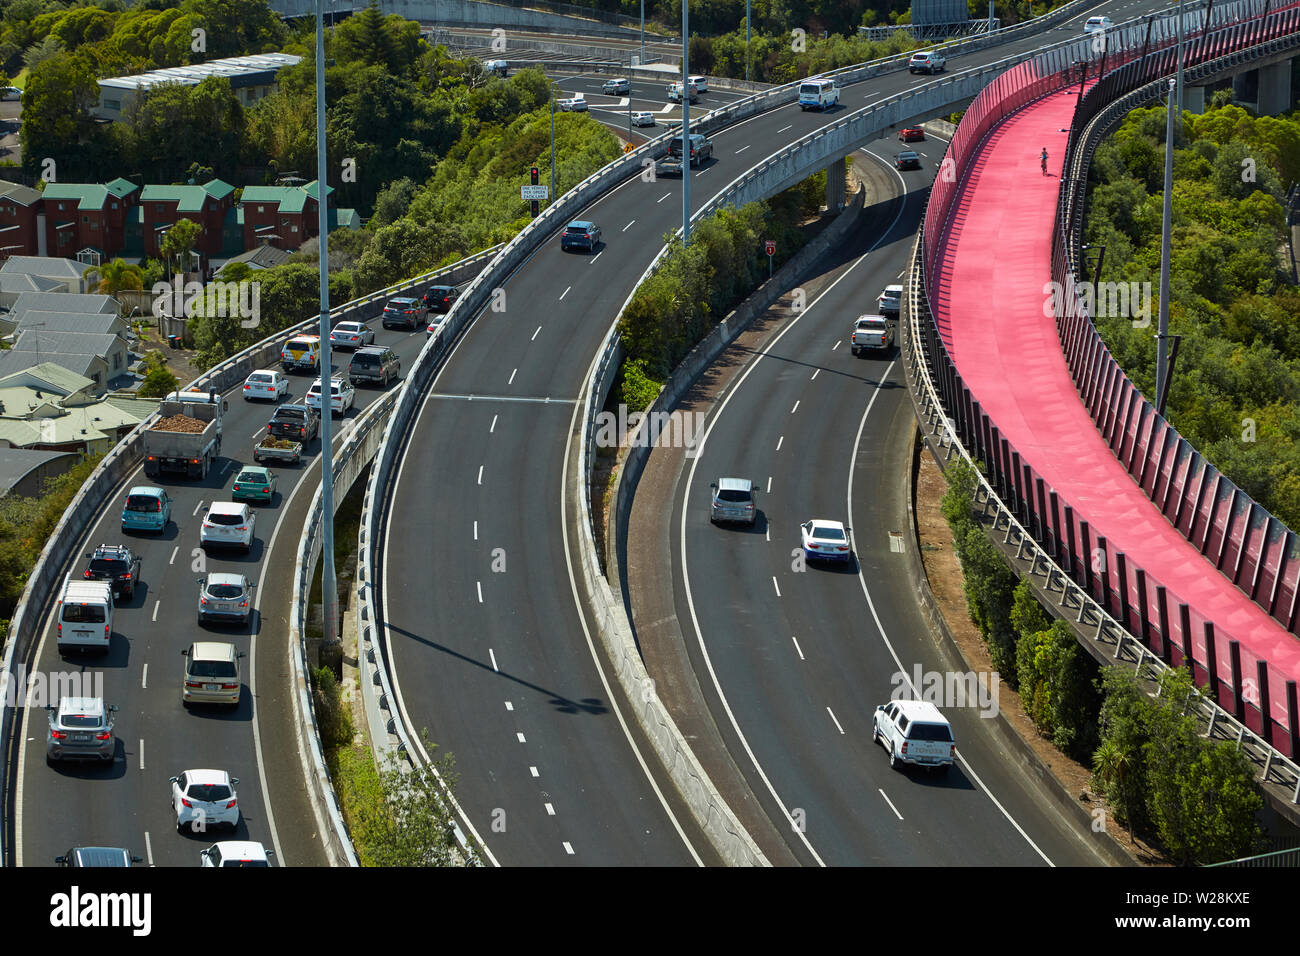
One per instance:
(795, 409)
(784, 128)
(565, 292)
(891, 804)
(665, 196)
(797, 647)
(144, 678)
(534, 772)
(155, 608)
(230, 464)
(628, 226)
(567, 848)
(535, 334)
(494, 661)
(196, 508)
(172, 559)
(480, 474)
(836, 345)
(509, 706)
(769, 484)
(521, 738)
(148, 848)
(550, 810)
(777, 586)
(493, 426)
(475, 530)
(478, 586)
(779, 441)
(668, 108)
(815, 374)
(743, 148)
(837, 723)
(598, 255)
(141, 753)
(512, 377)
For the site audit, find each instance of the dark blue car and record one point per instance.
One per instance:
(580, 235)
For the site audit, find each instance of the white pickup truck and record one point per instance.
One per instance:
(914, 731)
(871, 332)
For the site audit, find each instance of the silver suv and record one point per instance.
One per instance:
(81, 728)
(732, 499)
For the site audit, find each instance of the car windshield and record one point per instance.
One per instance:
(225, 590)
(217, 517)
(109, 565)
(735, 496)
(811, 88)
(84, 613)
(208, 792)
(577, 230)
(301, 345)
(80, 720)
(866, 325)
(827, 532)
(289, 411)
(920, 731)
(248, 863)
(143, 503)
(361, 358)
(212, 668)
(252, 476)
(260, 379)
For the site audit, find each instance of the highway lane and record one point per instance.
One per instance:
(793, 659)
(127, 805)
(488, 660)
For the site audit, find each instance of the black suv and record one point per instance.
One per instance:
(409, 313)
(375, 363)
(441, 298)
(294, 422)
(116, 564)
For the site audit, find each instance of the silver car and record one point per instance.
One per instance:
(733, 500)
(211, 674)
(225, 597)
(81, 728)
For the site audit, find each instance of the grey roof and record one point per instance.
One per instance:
(52, 266)
(20, 283)
(81, 363)
(97, 323)
(240, 70)
(74, 343)
(263, 257)
(17, 463)
(18, 193)
(63, 302)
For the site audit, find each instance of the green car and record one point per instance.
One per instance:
(254, 484)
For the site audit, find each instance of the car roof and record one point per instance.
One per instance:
(212, 651)
(208, 776)
(90, 706)
(907, 152)
(581, 224)
(400, 299)
(735, 484)
(225, 577)
(227, 508)
(374, 349)
(348, 322)
(243, 849)
(304, 335)
(826, 523)
(872, 320)
(921, 710)
(894, 288)
(114, 550)
(100, 856)
(263, 371)
(333, 381)
(441, 288)
(147, 490)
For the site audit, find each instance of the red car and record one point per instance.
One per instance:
(912, 134)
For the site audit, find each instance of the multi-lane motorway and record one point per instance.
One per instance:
(491, 649)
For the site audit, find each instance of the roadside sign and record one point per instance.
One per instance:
(533, 192)
(771, 246)
(628, 147)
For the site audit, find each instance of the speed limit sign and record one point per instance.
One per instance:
(771, 246)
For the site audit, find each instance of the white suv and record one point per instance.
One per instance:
(913, 731)
(926, 61)
(203, 799)
(344, 396)
(235, 853)
(228, 524)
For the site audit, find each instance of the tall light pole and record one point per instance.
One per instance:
(686, 125)
(746, 39)
(329, 583)
(552, 145)
(641, 62)
(1162, 331)
(1179, 97)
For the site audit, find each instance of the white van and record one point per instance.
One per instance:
(199, 398)
(818, 93)
(84, 615)
(496, 67)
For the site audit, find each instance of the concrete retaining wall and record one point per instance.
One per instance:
(467, 13)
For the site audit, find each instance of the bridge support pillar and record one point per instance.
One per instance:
(1275, 88)
(835, 186)
(1245, 88)
(1194, 99)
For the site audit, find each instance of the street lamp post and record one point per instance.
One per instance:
(1162, 333)
(746, 40)
(552, 145)
(686, 125)
(330, 646)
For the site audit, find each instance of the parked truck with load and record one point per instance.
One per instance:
(186, 439)
(278, 449)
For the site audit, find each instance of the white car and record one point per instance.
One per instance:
(926, 61)
(1098, 25)
(616, 86)
(576, 104)
(236, 853)
(825, 540)
(915, 732)
(643, 118)
(268, 383)
(228, 524)
(351, 335)
(701, 84)
(202, 799)
(10, 93)
(343, 396)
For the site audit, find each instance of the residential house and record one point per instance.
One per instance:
(15, 284)
(62, 302)
(111, 348)
(88, 216)
(20, 212)
(24, 472)
(251, 78)
(284, 216)
(70, 272)
(161, 207)
(96, 323)
(263, 257)
(48, 407)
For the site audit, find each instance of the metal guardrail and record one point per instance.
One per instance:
(121, 461)
(924, 350)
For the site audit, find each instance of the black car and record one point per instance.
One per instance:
(441, 298)
(907, 159)
(118, 565)
(294, 422)
(410, 314)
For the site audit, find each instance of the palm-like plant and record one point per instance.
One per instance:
(116, 276)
